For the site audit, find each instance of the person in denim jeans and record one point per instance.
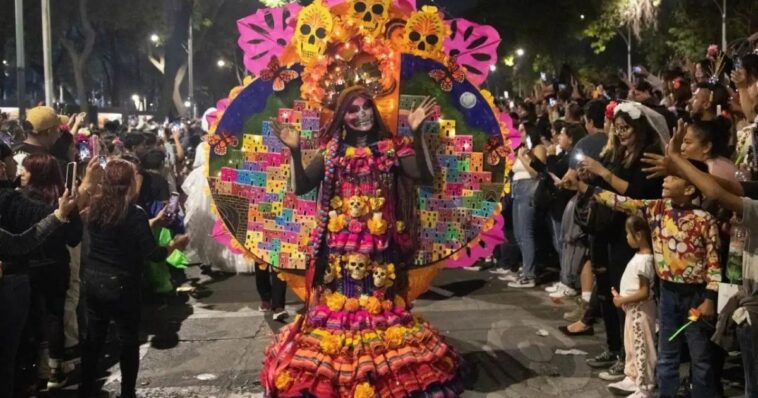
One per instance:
(524, 185)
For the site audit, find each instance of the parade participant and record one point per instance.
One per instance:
(357, 337)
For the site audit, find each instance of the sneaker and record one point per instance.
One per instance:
(623, 387)
(281, 315)
(554, 287)
(642, 393)
(510, 277)
(57, 379)
(614, 373)
(577, 313)
(522, 283)
(564, 291)
(603, 360)
(500, 271)
(474, 268)
(265, 306)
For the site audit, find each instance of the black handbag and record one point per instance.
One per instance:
(592, 217)
(546, 192)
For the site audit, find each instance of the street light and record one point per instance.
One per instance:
(221, 63)
(154, 38)
(187, 104)
(581, 17)
(519, 52)
(5, 62)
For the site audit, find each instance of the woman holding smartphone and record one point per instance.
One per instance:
(118, 240)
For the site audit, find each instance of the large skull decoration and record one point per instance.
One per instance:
(357, 265)
(425, 32)
(314, 25)
(370, 15)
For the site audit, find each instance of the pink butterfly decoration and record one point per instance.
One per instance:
(265, 34)
(475, 46)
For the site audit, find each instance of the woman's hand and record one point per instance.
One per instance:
(93, 175)
(288, 135)
(593, 166)
(179, 242)
(419, 114)
(158, 219)
(66, 204)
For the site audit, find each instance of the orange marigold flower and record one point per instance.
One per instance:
(387, 305)
(373, 305)
(352, 305)
(330, 344)
(395, 336)
(335, 301)
(283, 380)
(364, 390)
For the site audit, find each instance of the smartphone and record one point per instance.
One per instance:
(543, 76)
(71, 177)
(579, 156)
(84, 152)
(737, 63)
(637, 70)
(173, 205)
(94, 144)
(529, 143)
(552, 101)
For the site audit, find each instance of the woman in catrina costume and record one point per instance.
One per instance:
(357, 337)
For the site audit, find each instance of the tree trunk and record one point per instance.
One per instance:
(177, 94)
(177, 16)
(79, 59)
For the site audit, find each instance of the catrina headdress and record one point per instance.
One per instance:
(635, 110)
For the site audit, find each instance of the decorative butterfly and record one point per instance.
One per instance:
(445, 78)
(278, 73)
(495, 151)
(221, 141)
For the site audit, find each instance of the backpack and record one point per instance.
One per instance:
(592, 217)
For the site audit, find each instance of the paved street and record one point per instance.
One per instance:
(212, 345)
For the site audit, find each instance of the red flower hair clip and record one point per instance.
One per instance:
(609, 109)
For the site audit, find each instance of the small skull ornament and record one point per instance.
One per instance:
(314, 26)
(357, 206)
(357, 265)
(370, 15)
(383, 275)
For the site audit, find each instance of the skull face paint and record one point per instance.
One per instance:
(314, 25)
(370, 15)
(360, 115)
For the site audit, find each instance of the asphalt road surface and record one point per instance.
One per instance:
(211, 343)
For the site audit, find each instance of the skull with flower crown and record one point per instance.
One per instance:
(425, 32)
(314, 26)
(369, 15)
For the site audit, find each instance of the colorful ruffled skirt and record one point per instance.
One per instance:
(367, 349)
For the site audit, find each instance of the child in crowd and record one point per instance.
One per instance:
(685, 245)
(636, 299)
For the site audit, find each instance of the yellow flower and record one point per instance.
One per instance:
(336, 203)
(377, 225)
(336, 222)
(335, 301)
(330, 344)
(350, 152)
(373, 305)
(363, 300)
(364, 390)
(400, 226)
(395, 336)
(283, 381)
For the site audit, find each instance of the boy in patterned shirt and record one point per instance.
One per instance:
(685, 245)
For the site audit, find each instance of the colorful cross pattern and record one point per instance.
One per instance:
(278, 224)
(455, 209)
